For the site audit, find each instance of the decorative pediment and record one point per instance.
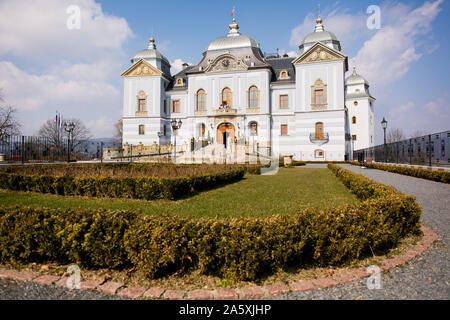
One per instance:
(225, 63)
(319, 53)
(142, 69)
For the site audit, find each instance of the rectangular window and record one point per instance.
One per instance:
(354, 137)
(284, 102)
(165, 106)
(284, 129)
(318, 96)
(175, 106)
(165, 130)
(141, 129)
(142, 105)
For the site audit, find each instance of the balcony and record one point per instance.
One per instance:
(226, 111)
(319, 139)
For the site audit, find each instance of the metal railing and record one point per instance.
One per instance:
(432, 150)
(39, 149)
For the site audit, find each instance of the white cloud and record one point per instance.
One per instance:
(431, 117)
(79, 70)
(177, 66)
(37, 97)
(37, 30)
(395, 47)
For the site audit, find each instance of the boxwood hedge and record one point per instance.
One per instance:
(238, 248)
(119, 187)
(439, 176)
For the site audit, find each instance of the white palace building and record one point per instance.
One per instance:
(238, 100)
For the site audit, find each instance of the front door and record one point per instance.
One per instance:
(224, 132)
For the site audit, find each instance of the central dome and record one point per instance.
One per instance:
(233, 40)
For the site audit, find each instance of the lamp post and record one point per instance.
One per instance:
(69, 127)
(160, 134)
(175, 126)
(384, 126)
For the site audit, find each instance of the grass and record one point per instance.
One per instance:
(255, 196)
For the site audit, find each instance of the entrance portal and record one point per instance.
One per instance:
(225, 133)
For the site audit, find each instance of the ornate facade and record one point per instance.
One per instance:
(235, 96)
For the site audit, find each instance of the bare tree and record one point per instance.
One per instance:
(416, 133)
(395, 135)
(9, 125)
(118, 136)
(56, 133)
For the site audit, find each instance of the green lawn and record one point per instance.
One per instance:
(284, 193)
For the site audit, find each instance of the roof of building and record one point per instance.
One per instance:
(150, 53)
(356, 79)
(320, 35)
(280, 64)
(234, 39)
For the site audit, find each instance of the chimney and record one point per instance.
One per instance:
(184, 65)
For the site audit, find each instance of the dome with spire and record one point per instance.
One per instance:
(150, 53)
(355, 79)
(320, 35)
(234, 39)
(154, 57)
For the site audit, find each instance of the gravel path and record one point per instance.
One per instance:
(425, 277)
(12, 290)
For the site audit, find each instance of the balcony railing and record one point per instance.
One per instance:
(319, 139)
(226, 110)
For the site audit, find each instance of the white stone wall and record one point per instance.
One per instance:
(331, 73)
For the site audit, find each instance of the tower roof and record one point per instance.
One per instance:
(320, 35)
(150, 53)
(234, 39)
(356, 79)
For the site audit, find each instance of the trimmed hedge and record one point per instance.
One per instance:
(90, 238)
(434, 175)
(238, 248)
(136, 188)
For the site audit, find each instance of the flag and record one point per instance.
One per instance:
(232, 12)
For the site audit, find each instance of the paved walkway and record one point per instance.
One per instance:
(427, 276)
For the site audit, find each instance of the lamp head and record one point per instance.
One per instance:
(384, 123)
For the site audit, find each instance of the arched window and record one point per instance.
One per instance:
(226, 96)
(353, 120)
(253, 97)
(142, 102)
(253, 127)
(201, 100)
(319, 130)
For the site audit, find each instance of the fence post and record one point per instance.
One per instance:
(429, 149)
(23, 149)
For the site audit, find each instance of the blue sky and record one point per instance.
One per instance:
(45, 67)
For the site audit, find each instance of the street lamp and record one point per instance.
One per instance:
(175, 126)
(384, 126)
(160, 134)
(69, 127)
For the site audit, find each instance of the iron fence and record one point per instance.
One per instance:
(39, 149)
(431, 150)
